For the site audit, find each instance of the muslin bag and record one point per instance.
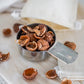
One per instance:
(59, 14)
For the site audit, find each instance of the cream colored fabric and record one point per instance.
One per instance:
(61, 12)
(51, 24)
(74, 70)
(13, 68)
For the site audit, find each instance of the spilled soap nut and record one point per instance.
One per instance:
(4, 57)
(66, 81)
(16, 27)
(71, 45)
(0, 55)
(48, 37)
(42, 44)
(7, 32)
(24, 29)
(41, 30)
(39, 37)
(24, 39)
(32, 46)
(30, 73)
(51, 74)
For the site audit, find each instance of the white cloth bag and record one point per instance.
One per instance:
(63, 12)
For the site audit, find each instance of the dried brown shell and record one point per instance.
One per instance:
(7, 32)
(41, 26)
(51, 74)
(37, 32)
(51, 33)
(66, 81)
(32, 38)
(24, 29)
(4, 57)
(30, 73)
(16, 27)
(0, 55)
(30, 29)
(32, 46)
(36, 27)
(24, 39)
(48, 37)
(39, 37)
(52, 42)
(42, 44)
(71, 45)
(41, 31)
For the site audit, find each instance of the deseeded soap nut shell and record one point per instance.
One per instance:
(66, 81)
(71, 45)
(4, 57)
(48, 36)
(51, 74)
(32, 46)
(7, 32)
(31, 35)
(16, 27)
(0, 55)
(52, 42)
(30, 29)
(39, 37)
(42, 44)
(24, 29)
(23, 40)
(30, 73)
(51, 33)
(40, 31)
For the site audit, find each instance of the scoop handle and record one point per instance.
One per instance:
(62, 52)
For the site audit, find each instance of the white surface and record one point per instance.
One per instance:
(2, 81)
(13, 68)
(4, 4)
(74, 70)
(62, 12)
